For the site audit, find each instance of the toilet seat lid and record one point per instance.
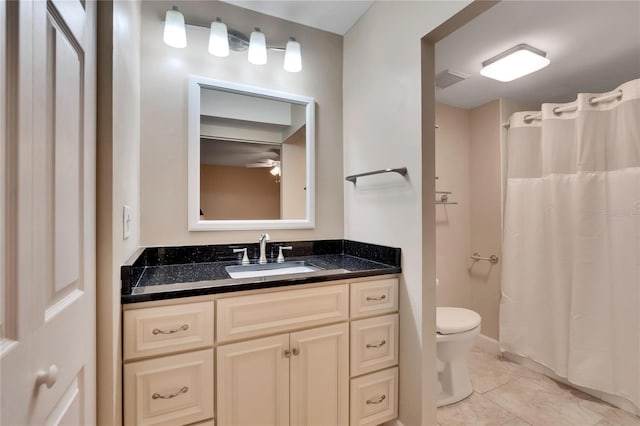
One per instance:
(456, 320)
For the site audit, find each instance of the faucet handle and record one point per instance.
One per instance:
(280, 255)
(245, 258)
(264, 237)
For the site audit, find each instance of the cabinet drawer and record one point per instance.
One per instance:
(166, 329)
(254, 315)
(374, 398)
(171, 390)
(374, 297)
(374, 344)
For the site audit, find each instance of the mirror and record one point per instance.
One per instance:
(251, 157)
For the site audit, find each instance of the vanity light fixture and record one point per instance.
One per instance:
(223, 39)
(218, 39)
(292, 57)
(275, 171)
(175, 34)
(514, 63)
(257, 48)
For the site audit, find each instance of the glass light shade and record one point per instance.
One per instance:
(292, 56)
(514, 63)
(275, 171)
(257, 48)
(175, 34)
(218, 39)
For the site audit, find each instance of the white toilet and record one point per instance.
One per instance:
(457, 329)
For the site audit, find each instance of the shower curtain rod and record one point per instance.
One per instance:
(559, 110)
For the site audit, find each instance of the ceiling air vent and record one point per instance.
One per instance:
(448, 78)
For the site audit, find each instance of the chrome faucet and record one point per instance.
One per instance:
(263, 248)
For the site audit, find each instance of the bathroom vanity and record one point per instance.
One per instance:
(318, 347)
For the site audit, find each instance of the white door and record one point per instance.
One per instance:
(320, 376)
(48, 211)
(253, 382)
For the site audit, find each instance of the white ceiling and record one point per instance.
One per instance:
(593, 46)
(332, 16)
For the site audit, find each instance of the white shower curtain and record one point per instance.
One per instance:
(571, 253)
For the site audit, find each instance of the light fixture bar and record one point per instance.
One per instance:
(514, 63)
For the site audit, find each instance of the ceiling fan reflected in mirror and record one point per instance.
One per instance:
(267, 162)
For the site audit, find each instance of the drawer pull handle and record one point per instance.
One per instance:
(379, 345)
(183, 389)
(183, 327)
(377, 401)
(370, 298)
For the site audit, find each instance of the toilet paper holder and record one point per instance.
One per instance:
(493, 259)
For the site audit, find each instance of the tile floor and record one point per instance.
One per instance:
(508, 394)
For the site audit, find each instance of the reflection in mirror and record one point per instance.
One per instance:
(254, 158)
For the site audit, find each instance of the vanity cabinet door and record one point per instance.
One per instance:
(320, 376)
(253, 382)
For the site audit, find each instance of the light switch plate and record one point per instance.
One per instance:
(126, 222)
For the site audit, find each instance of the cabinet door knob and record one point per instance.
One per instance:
(379, 345)
(377, 400)
(296, 351)
(48, 377)
(286, 353)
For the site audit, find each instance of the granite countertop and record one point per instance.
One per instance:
(170, 272)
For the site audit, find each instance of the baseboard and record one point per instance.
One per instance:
(487, 344)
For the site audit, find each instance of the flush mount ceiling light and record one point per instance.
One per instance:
(514, 63)
(223, 39)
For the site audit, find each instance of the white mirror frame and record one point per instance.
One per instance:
(195, 224)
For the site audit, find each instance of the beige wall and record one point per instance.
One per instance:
(452, 221)
(238, 193)
(118, 184)
(486, 222)
(468, 163)
(163, 165)
(382, 128)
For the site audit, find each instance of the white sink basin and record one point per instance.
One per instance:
(250, 271)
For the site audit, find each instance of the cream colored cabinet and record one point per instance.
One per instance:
(253, 382)
(374, 398)
(374, 344)
(322, 355)
(170, 390)
(299, 378)
(320, 376)
(257, 315)
(374, 352)
(167, 329)
(168, 374)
